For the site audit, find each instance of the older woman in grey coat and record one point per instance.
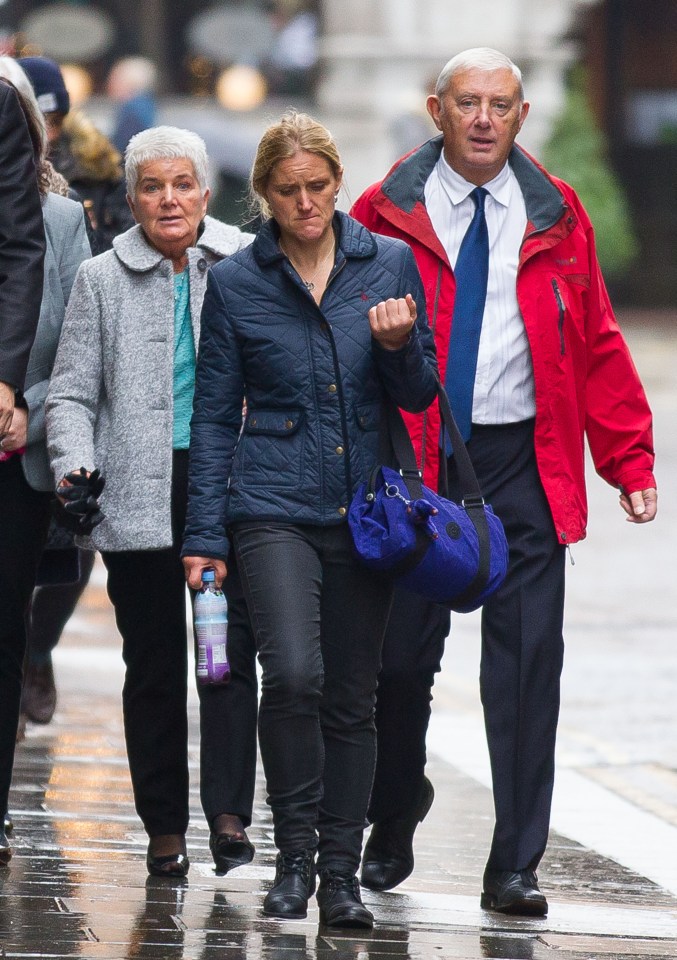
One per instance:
(26, 484)
(120, 401)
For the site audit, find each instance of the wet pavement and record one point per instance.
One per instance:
(77, 885)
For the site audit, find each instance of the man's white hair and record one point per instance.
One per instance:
(477, 58)
(165, 143)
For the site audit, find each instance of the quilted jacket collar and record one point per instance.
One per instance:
(132, 248)
(354, 241)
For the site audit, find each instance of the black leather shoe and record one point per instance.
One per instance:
(293, 886)
(513, 891)
(38, 696)
(338, 898)
(230, 850)
(5, 849)
(172, 865)
(388, 856)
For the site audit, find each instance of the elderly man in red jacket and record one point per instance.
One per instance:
(533, 361)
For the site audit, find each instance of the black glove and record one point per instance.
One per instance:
(81, 512)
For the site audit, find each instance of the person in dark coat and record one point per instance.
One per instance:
(315, 324)
(22, 251)
(24, 362)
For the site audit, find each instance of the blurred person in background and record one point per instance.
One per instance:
(52, 96)
(290, 65)
(534, 362)
(26, 482)
(131, 82)
(93, 168)
(121, 400)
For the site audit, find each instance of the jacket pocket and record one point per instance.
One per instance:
(270, 449)
(560, 314)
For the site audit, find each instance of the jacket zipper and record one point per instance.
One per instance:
(339, 390)
(560, 308)
(424, 424)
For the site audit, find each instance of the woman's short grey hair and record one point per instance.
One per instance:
(165, 143)
(477, 58)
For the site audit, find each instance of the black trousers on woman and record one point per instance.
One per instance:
(148, 591)
(24, 521)
(522, 656)
(319, 620)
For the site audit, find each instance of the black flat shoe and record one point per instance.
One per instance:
(168, 864)
(388, 856)
(230, 850)
(338, 898)
(293, 886)
(5, 849)
(514, 892)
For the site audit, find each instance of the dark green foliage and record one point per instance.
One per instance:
(577, 153)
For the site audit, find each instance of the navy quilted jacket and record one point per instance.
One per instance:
(313, 379)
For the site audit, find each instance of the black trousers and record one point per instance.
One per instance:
(319, 621)
(521, 664)
(52, 607)
(148, 591)
(24, 521)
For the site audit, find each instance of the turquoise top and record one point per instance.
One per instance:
(184, 361)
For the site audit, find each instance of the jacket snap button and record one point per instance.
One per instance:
(253, 421)
(289, 424)
(342, 511)
(332, 388)
(202, 264)
(339, 450)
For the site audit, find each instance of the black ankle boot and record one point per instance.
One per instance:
(339, 900)
(294, 884)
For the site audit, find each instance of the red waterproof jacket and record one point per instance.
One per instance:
(585, 380)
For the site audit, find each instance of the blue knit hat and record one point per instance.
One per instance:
(47, 81)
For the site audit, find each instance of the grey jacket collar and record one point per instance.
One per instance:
(132, 248)
(405, 184)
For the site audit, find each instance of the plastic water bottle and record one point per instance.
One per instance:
(211, 629)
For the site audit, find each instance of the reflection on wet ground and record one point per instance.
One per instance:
(77, 884)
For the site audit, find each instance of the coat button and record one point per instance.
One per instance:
(289, 424)
(202, 264)
(339, 450)
(342, 511)
(252, 422)
(331, 388)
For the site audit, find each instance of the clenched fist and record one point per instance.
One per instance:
(391, 321)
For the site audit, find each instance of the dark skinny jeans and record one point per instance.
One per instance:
(319, 620)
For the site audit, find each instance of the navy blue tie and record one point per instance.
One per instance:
(471, 272)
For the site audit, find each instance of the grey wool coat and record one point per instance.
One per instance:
(67, 247)
(110, 401)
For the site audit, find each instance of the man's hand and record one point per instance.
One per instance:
(6, 407)
(15, 438)
(640, 506)
(391, 321)
(195, 565)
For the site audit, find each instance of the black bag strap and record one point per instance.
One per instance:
(395, 434)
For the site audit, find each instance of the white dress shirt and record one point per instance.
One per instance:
(504, 380)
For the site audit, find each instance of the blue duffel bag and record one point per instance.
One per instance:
(455, 554)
